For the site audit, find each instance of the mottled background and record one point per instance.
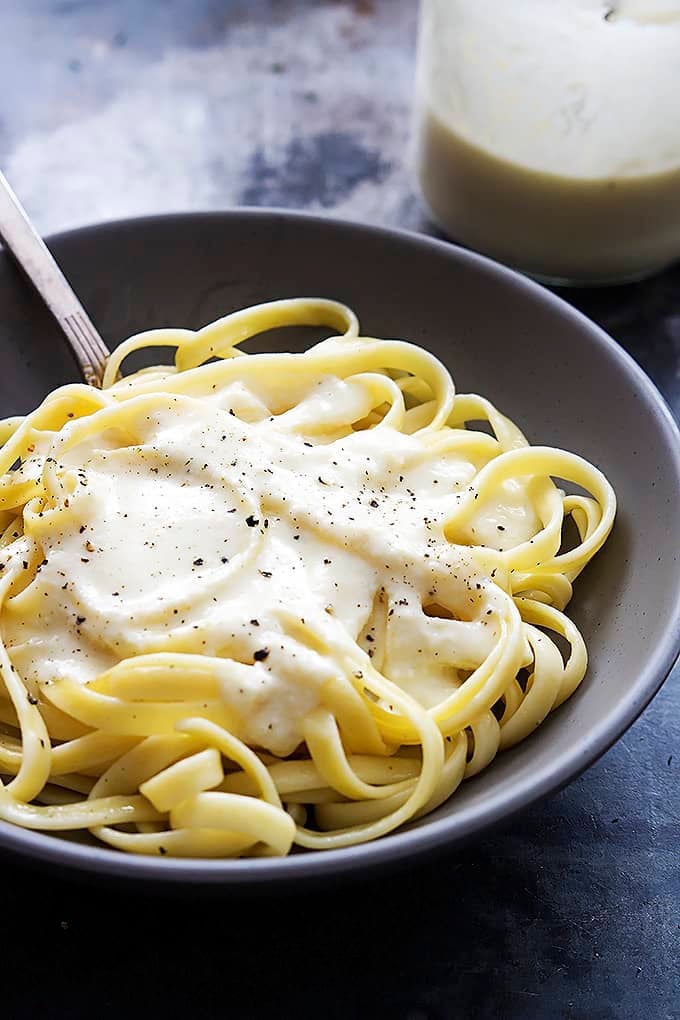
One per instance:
(111, 109)
(122, 107)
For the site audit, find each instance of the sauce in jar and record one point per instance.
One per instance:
(548, 132)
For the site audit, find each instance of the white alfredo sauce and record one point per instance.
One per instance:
(549, 131)
(207, 531)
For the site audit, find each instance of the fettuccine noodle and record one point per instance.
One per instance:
(252, 602)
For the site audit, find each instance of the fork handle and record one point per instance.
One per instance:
(37, 263)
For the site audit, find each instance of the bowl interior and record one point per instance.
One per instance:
(541, 362)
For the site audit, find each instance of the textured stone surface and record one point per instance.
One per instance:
(122, 107)
(127, 108)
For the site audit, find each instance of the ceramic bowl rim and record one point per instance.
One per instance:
(439, 833)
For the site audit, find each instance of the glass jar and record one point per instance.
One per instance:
(548, 132)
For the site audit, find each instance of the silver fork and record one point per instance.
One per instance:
(37, 263)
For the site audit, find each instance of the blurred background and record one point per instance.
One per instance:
(122, 107)
(114, 108)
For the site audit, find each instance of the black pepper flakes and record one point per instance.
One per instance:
(251, 521)
(261, 654)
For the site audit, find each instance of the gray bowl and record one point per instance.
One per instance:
(558, 375)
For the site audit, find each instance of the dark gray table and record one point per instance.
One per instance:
(117, 107)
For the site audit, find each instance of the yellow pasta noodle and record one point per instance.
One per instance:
(256, 602)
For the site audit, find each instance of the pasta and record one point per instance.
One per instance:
(256, 602)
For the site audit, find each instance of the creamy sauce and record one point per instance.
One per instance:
(549, 135)
(208, 530)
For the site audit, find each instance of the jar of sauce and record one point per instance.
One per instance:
(548, 132)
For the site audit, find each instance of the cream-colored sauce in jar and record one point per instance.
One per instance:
(548, 133)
